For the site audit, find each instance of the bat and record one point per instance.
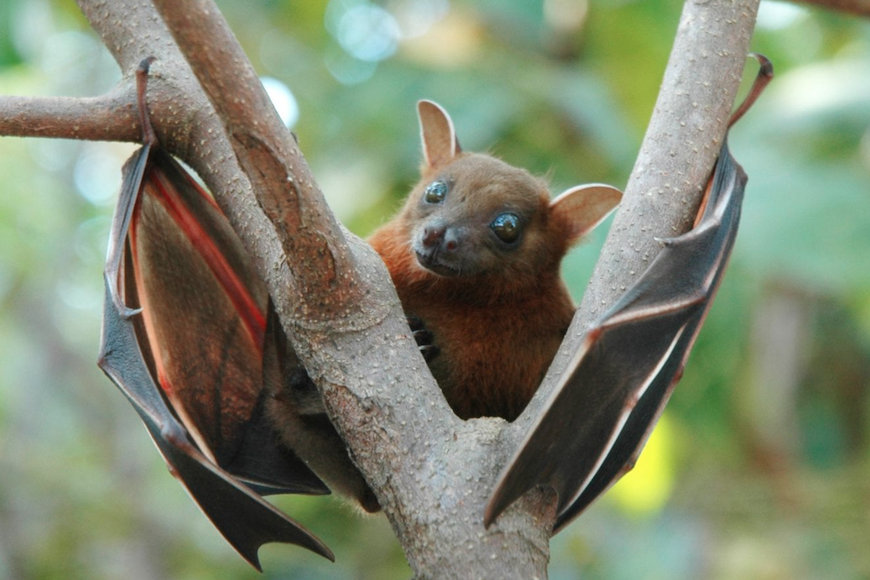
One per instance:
(605, 404)
(186, 327)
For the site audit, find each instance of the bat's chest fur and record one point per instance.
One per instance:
(493, 358)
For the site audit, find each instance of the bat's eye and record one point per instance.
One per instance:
(435, 192)
(507, 227)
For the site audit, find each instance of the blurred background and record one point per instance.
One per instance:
(760, 467)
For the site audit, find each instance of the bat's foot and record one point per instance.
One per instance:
(424, 338)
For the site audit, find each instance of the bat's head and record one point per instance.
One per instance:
(473, 215)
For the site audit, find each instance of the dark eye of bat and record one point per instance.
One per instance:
(435, 192)
(507, 227)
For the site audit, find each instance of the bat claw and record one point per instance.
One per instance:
(665, 242)
(127, 313)
(429, 352)
(424, 338)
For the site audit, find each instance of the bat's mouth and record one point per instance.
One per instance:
(432, 261)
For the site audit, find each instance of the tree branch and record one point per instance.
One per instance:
(110, 117)
(327, 287)
(675, 161)
(184, 120)
(681, 145)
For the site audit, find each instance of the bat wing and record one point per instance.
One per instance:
(605, 404)
(183, 339)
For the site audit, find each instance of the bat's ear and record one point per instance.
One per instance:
(583, 207)
(440, 144)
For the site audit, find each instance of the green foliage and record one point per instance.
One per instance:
(766, 460)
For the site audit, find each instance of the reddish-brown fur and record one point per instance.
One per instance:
(496, 332)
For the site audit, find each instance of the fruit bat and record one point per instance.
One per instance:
(605, 404)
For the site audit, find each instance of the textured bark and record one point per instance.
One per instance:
(675, 160)
(111, 117)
